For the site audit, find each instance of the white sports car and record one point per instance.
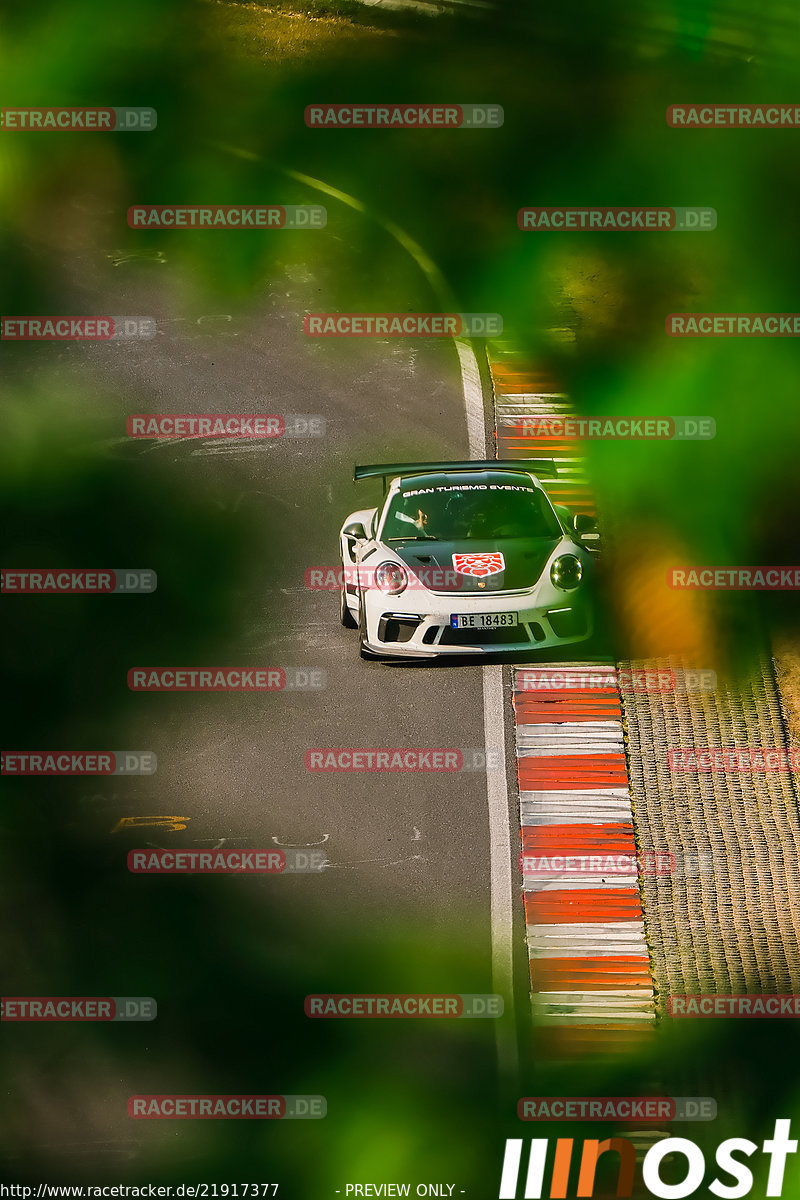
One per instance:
(465, 558)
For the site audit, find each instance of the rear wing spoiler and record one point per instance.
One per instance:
(533, 466)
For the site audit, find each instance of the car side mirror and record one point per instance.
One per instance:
(585, 527)
(355, 530)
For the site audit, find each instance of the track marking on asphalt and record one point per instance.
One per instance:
(500, 882)
(381, 862)
(230, 447)
(173, 824)
(473, 399)
(118, 257)
(301, 845)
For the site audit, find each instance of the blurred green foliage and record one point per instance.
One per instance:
(585, 89)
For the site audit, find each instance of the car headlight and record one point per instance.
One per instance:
(391, 578)
(566, 572)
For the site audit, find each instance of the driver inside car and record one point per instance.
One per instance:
(415, 520)
(469, 516)
(419, 520)
(516, 516)
(479, 524)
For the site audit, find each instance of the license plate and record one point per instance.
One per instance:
(483, 620)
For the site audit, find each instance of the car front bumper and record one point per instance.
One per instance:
(417, 625)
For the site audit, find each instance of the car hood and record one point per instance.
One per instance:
(523, 560)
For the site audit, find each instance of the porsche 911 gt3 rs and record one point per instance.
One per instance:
(465, 558)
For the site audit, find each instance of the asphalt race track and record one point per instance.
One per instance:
(403, 903)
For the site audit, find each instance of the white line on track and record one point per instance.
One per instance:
(500, 880)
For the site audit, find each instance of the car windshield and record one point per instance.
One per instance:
(464, 513)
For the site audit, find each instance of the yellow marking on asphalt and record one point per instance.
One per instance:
(172, 824)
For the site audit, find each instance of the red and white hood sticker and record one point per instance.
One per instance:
(479, 565)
